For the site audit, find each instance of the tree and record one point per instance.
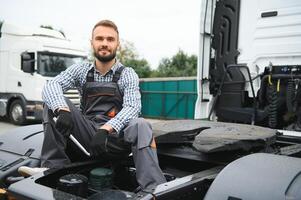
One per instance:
(127, 55)
(126, 51)
(141, 67)
(179, 65)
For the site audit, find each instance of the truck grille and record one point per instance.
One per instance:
(74, 96)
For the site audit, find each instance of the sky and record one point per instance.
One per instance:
(157, 28)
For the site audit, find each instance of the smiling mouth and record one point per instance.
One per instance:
(104, 51)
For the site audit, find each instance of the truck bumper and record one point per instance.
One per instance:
(34, 110)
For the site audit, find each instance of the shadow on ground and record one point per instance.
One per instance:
(6, 120)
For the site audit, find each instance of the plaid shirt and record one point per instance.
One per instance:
(75, 77)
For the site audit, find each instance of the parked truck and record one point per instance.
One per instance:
(28, 58)
(200, 159)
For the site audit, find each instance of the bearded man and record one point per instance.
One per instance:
(107, 123)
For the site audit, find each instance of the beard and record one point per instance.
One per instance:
(106, 58)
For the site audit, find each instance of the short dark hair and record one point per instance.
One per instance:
(107, 23)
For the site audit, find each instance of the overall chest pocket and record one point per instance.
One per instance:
(95, 91)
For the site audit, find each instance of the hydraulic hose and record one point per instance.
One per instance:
(265, 79)
(272, 109)
(291, 102)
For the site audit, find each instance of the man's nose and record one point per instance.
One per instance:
(104, 43)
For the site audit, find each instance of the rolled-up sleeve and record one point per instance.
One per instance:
(129, 81)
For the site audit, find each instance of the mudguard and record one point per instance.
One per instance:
(258, 176)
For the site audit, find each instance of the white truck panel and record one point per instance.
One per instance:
(269, 39)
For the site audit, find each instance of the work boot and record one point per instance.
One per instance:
(29, 171)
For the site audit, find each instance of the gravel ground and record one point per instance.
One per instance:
(5, 125)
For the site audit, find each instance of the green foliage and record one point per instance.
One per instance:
(179, 65)
(141, 67)
(126, 51)
(128, 56)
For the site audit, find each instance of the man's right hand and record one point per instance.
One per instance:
(97, 146)
(64, 123)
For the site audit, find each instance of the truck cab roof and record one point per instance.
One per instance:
(11, 29)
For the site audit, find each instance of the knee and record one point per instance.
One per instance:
(138, 130)
(69, 102)
(47, 114)
(141, 126)
(45, 108)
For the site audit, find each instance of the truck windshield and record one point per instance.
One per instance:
(50, 64)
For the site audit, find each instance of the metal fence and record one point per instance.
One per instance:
(168, 98)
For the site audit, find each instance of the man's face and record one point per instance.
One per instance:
(104, 42)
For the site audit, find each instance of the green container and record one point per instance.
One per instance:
(101, 178)
(168, 98)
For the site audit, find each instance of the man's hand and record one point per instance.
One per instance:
(98, 142)
(64, 123)
(107, 127)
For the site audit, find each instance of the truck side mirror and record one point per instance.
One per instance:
(27, 62)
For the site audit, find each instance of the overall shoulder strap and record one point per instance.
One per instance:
(90, 75)
(117, 74)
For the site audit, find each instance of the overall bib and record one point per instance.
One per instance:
(102, 101)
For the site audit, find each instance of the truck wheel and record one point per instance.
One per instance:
(17, 112)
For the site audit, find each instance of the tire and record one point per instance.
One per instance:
(17, 112)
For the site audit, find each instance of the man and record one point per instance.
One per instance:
(108, 123)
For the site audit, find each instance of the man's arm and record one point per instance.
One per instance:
(53, 90)
(131, 101)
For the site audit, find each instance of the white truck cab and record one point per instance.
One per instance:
(29, 58)
(249, 67)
